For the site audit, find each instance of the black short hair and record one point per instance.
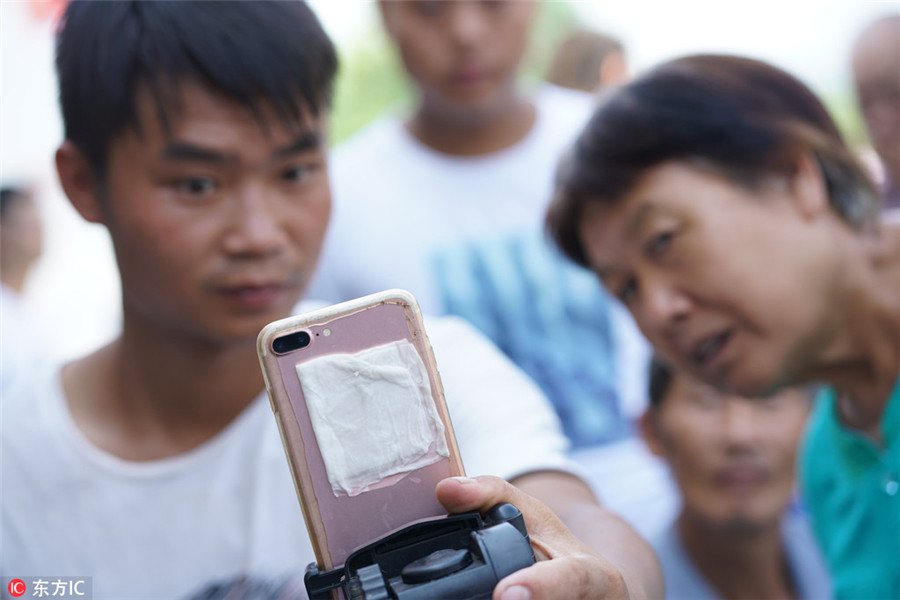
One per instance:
(738, 117)
(660, 381)
(254, 52)
(8, 195)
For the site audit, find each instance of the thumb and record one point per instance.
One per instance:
(578, 577)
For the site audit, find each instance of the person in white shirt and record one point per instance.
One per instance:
(876, 75)
(449, 203)
(740, 532)
(476, 157)
(151, 465)
(21, 241)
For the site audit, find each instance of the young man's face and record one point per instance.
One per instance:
(217, 227)
(732, 457)
(462, 54)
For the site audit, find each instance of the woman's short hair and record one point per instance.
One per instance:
(738, 117)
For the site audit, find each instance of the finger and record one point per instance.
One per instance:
(579, 577)
(549, 536)
(460, 494)
(484, 492)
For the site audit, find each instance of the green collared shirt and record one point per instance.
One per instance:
(852, 489)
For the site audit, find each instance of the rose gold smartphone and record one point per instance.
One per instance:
(359, 403)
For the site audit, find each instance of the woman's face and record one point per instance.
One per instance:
(728, 284)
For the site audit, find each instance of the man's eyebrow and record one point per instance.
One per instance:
(189, 152)
(309, 140)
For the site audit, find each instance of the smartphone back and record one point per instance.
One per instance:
(366, 444)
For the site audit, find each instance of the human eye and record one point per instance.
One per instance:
(627, 290)
(195, 186)
(659, 243)
(299, 172)
(429, 9)
(296, 173)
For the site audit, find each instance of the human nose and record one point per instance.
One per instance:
(468, 22)
(254, 224)
(740, 426)
(662, 306)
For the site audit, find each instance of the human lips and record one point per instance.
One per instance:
(741, 477)
(470, 76)
(254, 295)
(706, 351)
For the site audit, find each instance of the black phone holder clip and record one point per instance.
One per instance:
(458, 556)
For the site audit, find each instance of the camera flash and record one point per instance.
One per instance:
(326, 332)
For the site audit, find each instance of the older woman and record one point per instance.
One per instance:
(715, 197)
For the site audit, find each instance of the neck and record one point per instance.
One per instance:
(863, 362)
(472, 133)
(150, 394)
(748, 564)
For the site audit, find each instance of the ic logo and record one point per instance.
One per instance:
(16, 587)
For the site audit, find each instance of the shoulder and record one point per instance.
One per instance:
(504, 424)
(32, 402)
(818, 440)
(385, 133)
(682, 578)
(564, 106)
(806, 561)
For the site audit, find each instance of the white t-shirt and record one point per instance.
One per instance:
(396, 200)
(226, 510)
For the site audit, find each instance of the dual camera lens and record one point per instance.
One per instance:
(290, 342)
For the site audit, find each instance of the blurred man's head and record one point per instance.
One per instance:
(732, 457)
(195, 134)
(588, 61)
(876, 70)
(20, 235)
(463, 55)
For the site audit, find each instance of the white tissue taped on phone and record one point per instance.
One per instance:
(373, 416)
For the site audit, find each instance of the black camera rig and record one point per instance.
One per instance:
(455, 557)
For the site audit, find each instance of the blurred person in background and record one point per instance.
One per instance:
(475, 156)
(589, 61)
(21, 234)
(717, 199)
(153, 465)
(738, 534)
(448, 203)
(876, 72)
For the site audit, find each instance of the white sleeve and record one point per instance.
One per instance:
(504, 424)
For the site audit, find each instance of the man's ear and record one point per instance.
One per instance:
(79, 181)
(650, 432)
(808, 187)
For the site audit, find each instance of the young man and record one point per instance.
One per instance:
(876, 71)
(21, 235)
(449, 202)
(195, 135)
(737, 535)
(475, 157)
